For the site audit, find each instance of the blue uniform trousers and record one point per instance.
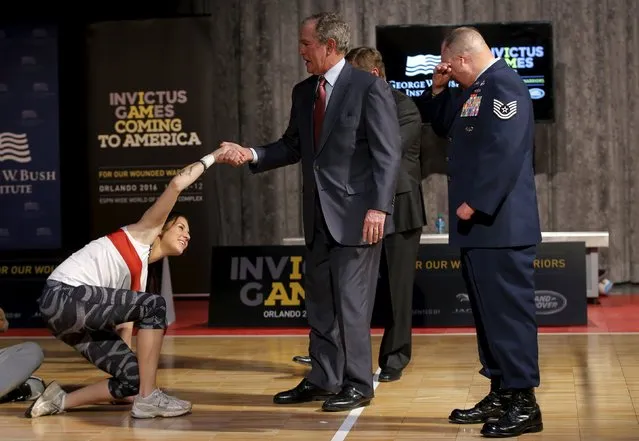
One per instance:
(501, 289)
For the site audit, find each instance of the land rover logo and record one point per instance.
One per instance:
(536, 93)
(549, 302)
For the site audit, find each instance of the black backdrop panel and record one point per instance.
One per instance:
(150, 109)
(264, 287)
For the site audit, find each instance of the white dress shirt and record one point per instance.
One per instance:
(331, 76)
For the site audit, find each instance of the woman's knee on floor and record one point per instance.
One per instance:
(154, 316)
(124, 386)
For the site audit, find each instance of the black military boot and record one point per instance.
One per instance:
(491, 407)
(522, 416)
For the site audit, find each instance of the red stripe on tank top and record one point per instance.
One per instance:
(130, 256)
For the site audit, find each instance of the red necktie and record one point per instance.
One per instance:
(318, 110)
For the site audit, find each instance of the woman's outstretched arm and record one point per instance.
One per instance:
(150, 224)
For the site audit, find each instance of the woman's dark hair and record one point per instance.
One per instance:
(154, 278)
(172, 218)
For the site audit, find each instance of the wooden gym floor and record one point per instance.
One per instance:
(589, 391)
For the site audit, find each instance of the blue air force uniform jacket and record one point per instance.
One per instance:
(490, 129)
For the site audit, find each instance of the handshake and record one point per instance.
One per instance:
(233, 154)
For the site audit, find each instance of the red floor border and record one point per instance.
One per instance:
(618, 313)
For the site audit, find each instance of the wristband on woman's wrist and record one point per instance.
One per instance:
(208, 160)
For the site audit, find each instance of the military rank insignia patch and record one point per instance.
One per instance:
(504, 111)
(471, 106)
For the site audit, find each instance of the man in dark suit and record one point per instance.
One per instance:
(344, 129)
(495, 221)
(401, 247)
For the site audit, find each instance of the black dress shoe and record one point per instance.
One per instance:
(348, 398)
(522, 416)
(302, 393)
(390, 374)
(491, 407)
(302, 359)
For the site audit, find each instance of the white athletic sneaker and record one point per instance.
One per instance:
(159, 404)
(36, 386)
(51, 402)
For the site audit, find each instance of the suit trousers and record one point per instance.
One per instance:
(340, 284)
(501, 289)
(399, 255)
(17, 364)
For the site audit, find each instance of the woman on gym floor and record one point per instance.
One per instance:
(101, 287)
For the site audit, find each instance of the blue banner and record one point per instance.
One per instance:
(29, 141)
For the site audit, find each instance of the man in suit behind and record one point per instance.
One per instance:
(343, 127)
(401, 247)
(495, 221)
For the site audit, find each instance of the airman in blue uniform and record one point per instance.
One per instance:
(494, 220)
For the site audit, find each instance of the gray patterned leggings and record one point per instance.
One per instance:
(85, 317)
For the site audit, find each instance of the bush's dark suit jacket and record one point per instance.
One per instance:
(356, 165)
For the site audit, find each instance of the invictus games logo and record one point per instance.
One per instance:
(519, 57)
(148, 119)
(272, 283)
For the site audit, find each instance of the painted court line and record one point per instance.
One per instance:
(351, 418)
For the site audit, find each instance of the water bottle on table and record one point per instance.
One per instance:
(440, 224)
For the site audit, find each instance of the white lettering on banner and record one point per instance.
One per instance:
(118, 188)
(145, 199)
(291, 313)
(416, 88)
(549, 302)
(20, 181)
(16, 189)
(24, 175)
(519, 57)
